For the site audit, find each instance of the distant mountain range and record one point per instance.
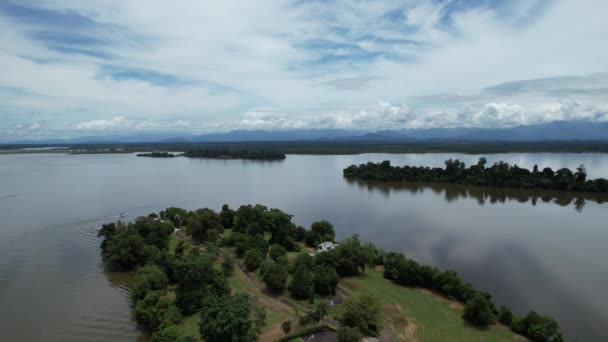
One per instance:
(559, 130)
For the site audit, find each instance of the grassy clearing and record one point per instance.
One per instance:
(416, 315)
(189, 326)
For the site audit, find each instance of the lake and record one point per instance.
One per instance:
(545, 252)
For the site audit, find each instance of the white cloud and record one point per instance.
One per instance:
(117, 122)
(278, 65)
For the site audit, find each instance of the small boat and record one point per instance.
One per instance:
(123, 214)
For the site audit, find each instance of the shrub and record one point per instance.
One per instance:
(276, 251)
(325, 280)
(275, 276)
(301, 286)
(478, 311)
(253, 259)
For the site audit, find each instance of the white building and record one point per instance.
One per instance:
(326, 246)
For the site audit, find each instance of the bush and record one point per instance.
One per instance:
(171, 333)
(325, 280)
(349, 334)
(364, 313)
(148, 278)
(302, 286)
(505, 315)
(231, 318)
(478, 311)
(155, 309)
(253, 259)
(276, 251)
(275, 276)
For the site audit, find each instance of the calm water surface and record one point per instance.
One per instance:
(531, 252)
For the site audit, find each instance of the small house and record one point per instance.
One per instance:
(326, 246)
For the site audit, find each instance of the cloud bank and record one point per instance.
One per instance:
(79, 68)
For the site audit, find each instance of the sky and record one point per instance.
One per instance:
(86, 68)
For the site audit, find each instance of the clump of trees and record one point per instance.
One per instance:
(238, 318)
(157, 155)
(501, 174)
(364, 314)
(235, 154)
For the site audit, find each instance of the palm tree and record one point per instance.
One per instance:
(286, 326)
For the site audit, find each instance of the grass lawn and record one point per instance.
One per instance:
(189, 326)
(415, 315)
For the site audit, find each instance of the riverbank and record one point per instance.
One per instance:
(323, 147)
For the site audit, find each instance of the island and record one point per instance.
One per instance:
(500, 174)
(252, 274)
(235, 154)
(157, 155)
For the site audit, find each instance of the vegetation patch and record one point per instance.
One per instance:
(501, 174)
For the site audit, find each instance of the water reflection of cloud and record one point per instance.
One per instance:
(483, 195)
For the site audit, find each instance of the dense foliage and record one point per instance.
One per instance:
(126, 246)
(274, 275)
(302, 286)
(364, 313)
(501, 174)
(478, 311)
(319, 232)
(237, 318)
(235, 154)
(157, 155)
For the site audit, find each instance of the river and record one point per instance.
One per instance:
(545, 252)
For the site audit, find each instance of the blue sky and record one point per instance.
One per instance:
(79, 68)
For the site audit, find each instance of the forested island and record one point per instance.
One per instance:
(252, 274)
(500, 174)
(235, 154)
(157, 155)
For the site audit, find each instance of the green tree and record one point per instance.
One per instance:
(276, 251)
(171, 333)
(237, 318)
(253, 259)
(124, 250)
(478, 311)
(197, 278)
(203, 221)
(227, 217)
(364, 313)
(275, 276)
(154, 309)
(325, 280)
(175, 215)
(148, 278)
(319, 232)
(302, 286)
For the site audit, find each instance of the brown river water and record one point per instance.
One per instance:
(542, 251)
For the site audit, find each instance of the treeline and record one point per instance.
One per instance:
(262, 238)
(157, 155)
(500, 174)
(235, 154)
